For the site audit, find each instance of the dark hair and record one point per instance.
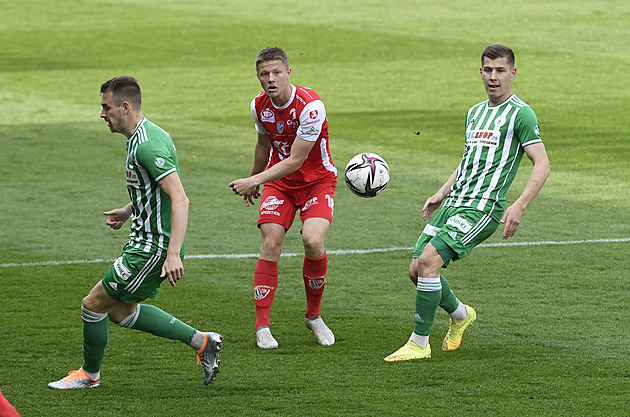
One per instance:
(124, 88)
(272, 54)
(498, 51)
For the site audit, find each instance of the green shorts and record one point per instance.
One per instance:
(455, 232)
(134, 277)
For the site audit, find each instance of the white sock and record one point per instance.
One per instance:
(421, 341)
(459, 314)
(92, 375)
(197, 340)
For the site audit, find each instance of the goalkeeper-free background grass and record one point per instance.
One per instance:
(550, 338)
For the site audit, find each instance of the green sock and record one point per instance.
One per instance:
(95, 339)
(448, 301)
(151, 319)
(427, 301)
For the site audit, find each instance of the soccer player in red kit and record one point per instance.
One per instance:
(292, 160)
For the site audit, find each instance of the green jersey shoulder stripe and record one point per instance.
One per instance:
(495, 141)
(151, 156)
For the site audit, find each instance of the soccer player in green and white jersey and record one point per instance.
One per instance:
(159, 213)
(498, 132)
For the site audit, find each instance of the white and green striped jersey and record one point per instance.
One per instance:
(495, 141)
(151, 156)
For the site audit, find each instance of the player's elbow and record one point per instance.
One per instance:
(182, 202)
(545, 171)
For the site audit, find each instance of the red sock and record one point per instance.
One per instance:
(314, 280)
(265, 283)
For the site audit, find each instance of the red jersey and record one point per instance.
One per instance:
(304, 115)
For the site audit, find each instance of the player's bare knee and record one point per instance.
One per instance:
(313, 246)
(429, 265)
(90, 301)
(271, 248)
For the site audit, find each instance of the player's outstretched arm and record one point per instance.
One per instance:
(540, 173)
(117, 217)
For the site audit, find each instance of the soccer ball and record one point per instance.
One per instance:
(367, 174)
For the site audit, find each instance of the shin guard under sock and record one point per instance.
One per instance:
(427, 301)
(95, 339)
(265, 284)
(314, 274)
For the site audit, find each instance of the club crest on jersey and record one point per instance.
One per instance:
(267, 116)
(500, 121)
(280, 126)
(262, 291)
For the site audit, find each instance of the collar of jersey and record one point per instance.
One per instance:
(288, 103)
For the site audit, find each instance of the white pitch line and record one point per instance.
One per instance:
(332, 252)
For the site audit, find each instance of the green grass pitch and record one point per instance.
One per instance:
(397, 79)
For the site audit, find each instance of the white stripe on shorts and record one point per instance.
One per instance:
(430, 230)
(135, 283)
(476, 230)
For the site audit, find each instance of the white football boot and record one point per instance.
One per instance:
(264, 339)
(322, 333)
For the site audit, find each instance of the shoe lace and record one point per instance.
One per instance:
(72, 375)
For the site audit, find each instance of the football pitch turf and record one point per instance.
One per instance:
(397, 78)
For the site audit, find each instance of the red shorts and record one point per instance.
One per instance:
(279, 206)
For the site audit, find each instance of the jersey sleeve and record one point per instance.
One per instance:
(312, 120)
(526, 127)
(156, 158)
(259, 127)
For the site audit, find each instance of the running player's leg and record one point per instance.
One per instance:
(137, 278)
(275, 217)
(316, 212)
(314, 274)
(428, 295)
(266, 281)
(315, 263)
(94, 313)
(448, 300)
(151, 319)
(464, 230)
(424, 272)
